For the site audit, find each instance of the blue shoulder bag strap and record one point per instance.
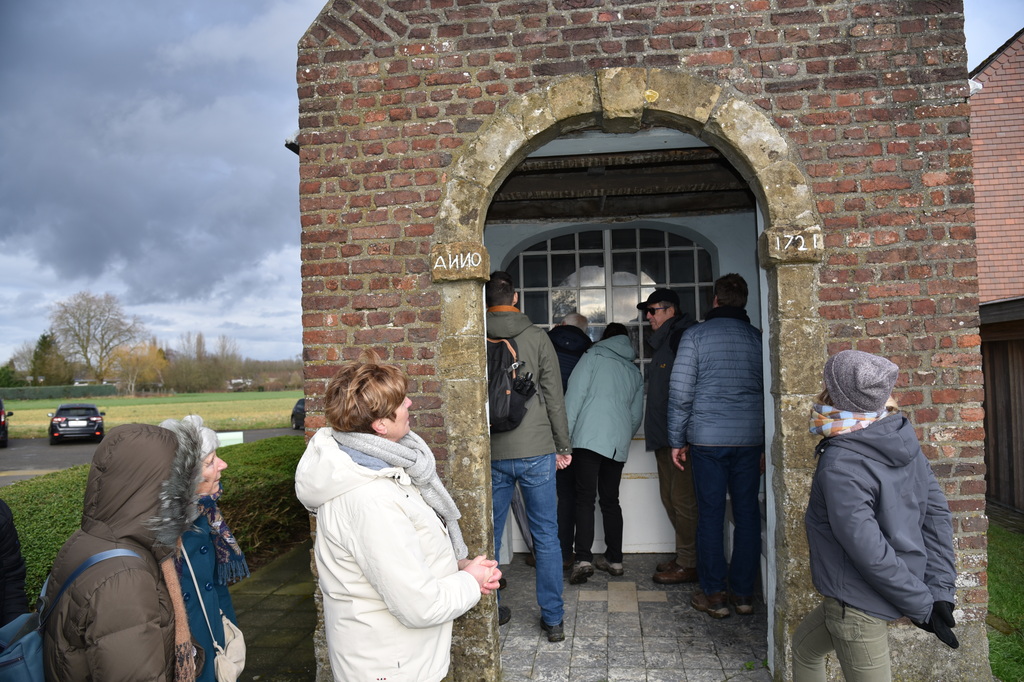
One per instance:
(91, 561)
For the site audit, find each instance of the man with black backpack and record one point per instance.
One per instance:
(668, 322)
(530, 453)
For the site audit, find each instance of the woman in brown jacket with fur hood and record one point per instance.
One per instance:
(120, 619)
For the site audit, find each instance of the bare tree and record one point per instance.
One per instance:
(190, 366)
(91, 327)
(22, 358)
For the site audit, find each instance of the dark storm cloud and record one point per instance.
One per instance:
(141, 150)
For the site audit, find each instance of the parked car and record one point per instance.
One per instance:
(3, 424)
(299, 414)
(76, 420)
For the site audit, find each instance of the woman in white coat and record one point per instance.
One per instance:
(391, 560)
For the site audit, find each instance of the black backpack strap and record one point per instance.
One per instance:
(88, 563)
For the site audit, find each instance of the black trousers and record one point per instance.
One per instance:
(590, 477)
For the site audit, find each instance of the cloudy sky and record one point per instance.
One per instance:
(142, 154)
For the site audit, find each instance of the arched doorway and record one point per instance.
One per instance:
(788, 247)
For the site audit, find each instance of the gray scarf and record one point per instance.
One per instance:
(413, 455)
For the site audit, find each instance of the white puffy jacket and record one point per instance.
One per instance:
(390, 580)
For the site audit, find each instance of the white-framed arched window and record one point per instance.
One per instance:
(604, 273)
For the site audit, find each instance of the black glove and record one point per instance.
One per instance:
(940, 623)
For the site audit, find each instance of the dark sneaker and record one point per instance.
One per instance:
(712, 604)
(601, 564)
(504, 615)
(581, 570)
(743, 606)
(555, 632)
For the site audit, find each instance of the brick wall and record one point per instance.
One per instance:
(998, 132)
(871, 95)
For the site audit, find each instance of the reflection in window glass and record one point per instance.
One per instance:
(591, 260)
(592, 304)
(571, 273)
(563, 269)
(624, 300)
(624, 264)
(653, 265)
(563, 302)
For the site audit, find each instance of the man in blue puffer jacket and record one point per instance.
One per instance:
(716, 425)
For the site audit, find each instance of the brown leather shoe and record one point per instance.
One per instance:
(666, 566)
(675, 575)
(712, 604)
(531, 560)
(743, 606)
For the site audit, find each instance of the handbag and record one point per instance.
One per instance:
(229, 660)
(21, 640)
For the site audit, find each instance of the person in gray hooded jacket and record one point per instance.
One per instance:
(879, 528)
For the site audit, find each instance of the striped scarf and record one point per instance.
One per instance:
(827, 421)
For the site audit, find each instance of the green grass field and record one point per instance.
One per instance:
(1006, 603)
(220, 411)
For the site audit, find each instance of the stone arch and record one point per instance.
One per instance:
(622, 100)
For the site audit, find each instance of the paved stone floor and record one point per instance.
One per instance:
(628, 628)
(277, 615)
(617, 629)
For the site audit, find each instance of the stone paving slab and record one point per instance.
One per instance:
(618, 629)
(629, 629)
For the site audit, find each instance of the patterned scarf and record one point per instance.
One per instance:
(413, 455)
(827, 421)
(231, 564)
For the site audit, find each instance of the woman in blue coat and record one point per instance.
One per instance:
(214, 556)
(604, 404)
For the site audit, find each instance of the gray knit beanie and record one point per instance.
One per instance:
(859, 382)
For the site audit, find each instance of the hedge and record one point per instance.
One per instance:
(258, 504)
(57, 392)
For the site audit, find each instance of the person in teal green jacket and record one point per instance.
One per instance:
(604, 405)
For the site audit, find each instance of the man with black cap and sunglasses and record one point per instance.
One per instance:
(668, 322)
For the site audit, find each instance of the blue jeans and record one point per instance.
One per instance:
(536, 478)
(736, 470)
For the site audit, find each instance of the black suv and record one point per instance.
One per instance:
(3, 424)
(76, 420)
(299, 414)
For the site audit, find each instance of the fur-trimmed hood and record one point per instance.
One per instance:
(142, 485)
